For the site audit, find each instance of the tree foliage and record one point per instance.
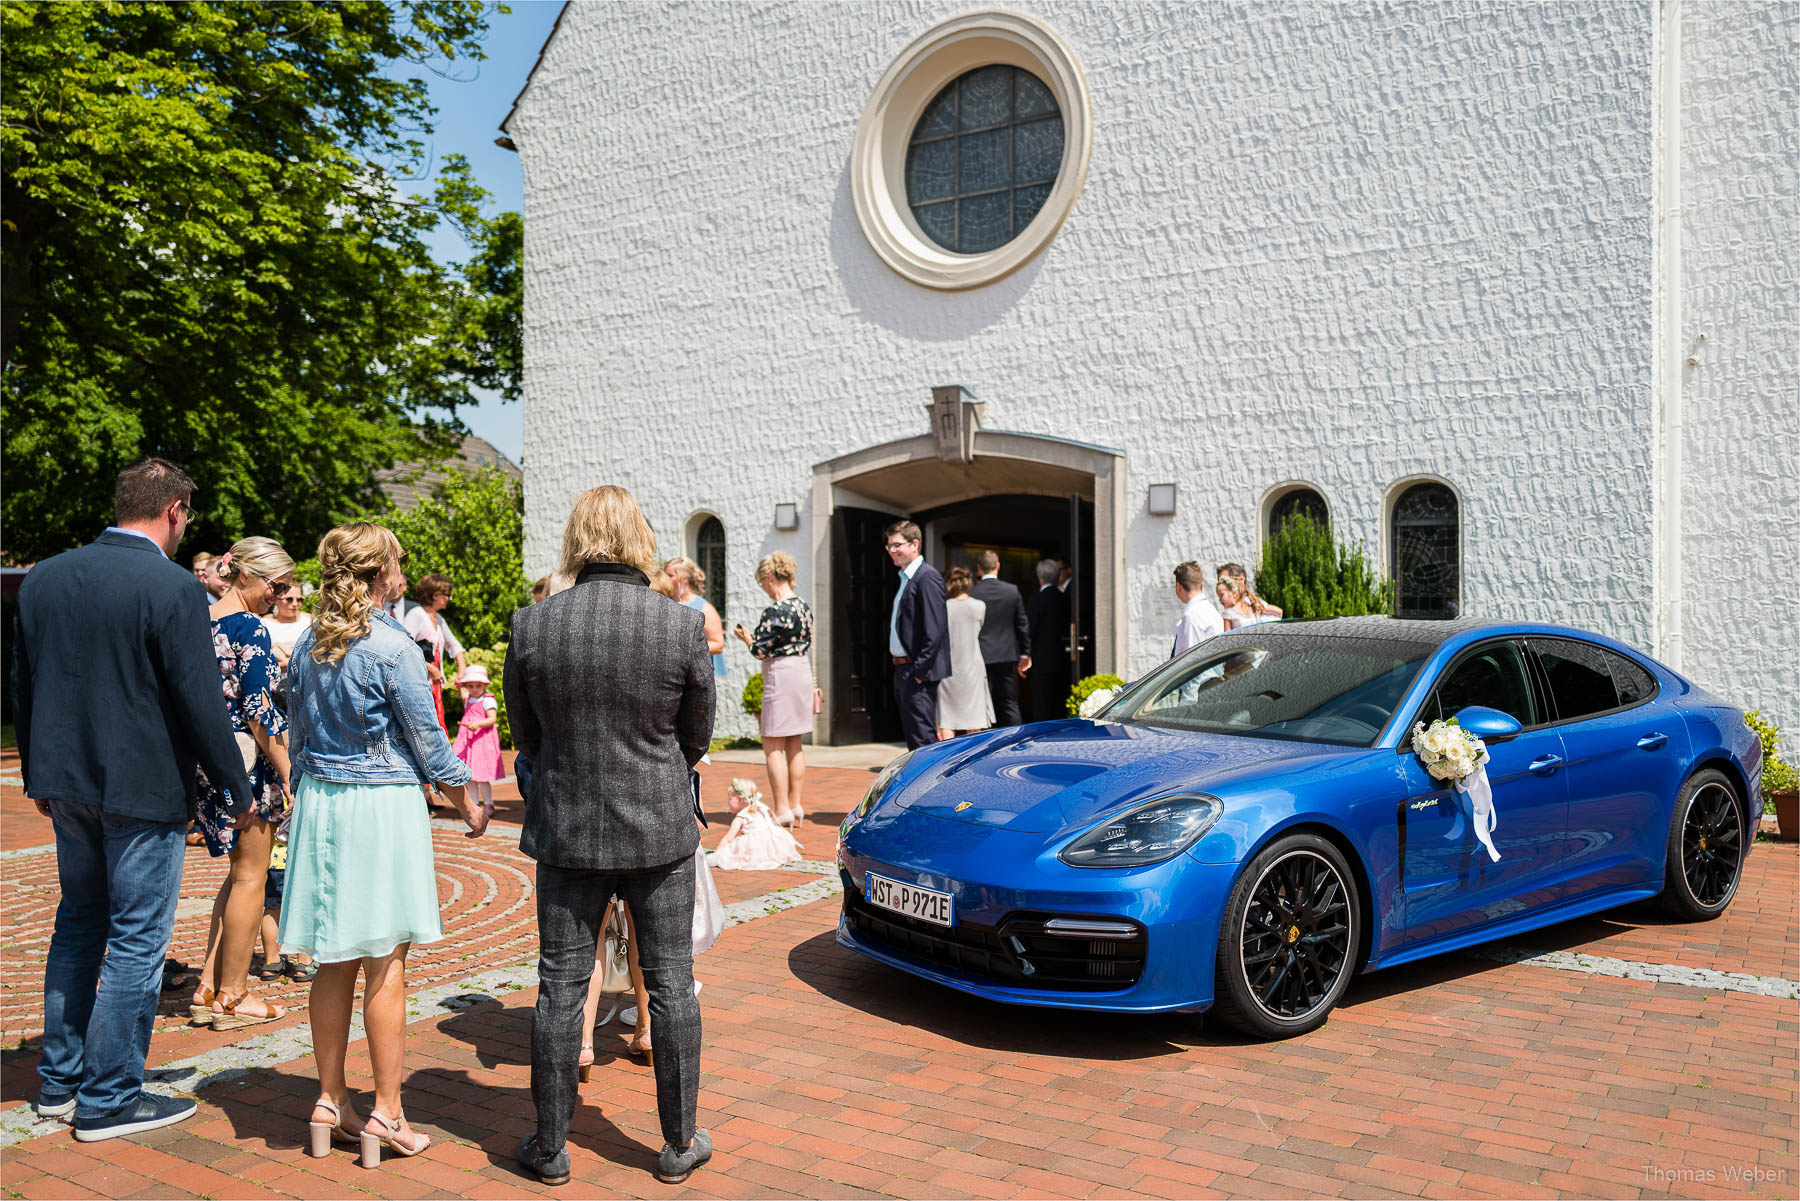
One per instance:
(473, 531)
(205, 256)
(1310, 576)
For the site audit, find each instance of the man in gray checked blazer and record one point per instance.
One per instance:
(609, 688)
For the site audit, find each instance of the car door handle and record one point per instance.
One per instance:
(1653, 742)
(1544, 765)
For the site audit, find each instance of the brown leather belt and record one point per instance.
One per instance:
(900, 658)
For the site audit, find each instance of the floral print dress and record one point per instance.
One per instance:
(249, 673)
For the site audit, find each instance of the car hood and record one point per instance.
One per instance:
(1052, 775)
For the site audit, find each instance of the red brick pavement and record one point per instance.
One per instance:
(827, 1075)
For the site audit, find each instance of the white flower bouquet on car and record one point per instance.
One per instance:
(1449, 752)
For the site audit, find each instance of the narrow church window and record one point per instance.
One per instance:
(1426, 557)
(709, 552)
(1298, 500)
(983, 158)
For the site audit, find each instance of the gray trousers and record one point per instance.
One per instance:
(571, 909)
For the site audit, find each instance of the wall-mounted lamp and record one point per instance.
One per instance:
(1162, 500)
(787, 517)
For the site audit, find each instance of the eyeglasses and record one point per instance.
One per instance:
(898, 545)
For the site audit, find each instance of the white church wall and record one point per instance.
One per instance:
(1740, 206)
(1345, 244)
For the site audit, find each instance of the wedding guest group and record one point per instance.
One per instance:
(782, 644)
(918, 635)
(116, 627)
(361, 881)
(610, 689)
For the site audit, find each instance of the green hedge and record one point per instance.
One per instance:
(1088, 687)
(1310, 576)
(753, 689)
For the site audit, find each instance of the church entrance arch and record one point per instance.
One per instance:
(1025, 496)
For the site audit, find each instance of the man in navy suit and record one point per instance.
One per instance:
(117, 698)
(918, 635)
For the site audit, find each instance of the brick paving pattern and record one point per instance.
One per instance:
(829, 1076)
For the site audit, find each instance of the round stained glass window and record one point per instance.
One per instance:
(983, 157)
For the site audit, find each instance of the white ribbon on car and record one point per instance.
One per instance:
(1481, 800)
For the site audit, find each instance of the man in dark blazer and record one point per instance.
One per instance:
(1050, 669)
(1005, 638)
(116, 699)
(609, 688)
(918, 635)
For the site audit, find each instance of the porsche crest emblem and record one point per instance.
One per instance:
(964, 805)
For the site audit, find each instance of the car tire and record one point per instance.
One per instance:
(1707, 840)
(1288, 939)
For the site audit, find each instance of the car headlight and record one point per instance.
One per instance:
(1151, 833)
(876, 790)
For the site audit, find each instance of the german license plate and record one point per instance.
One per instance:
(926, 904)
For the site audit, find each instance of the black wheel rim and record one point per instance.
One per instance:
(1296, 941)
(1712, 845)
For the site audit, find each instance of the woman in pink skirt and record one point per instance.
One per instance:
(783, 641)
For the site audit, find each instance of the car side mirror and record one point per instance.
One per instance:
(1489, 725)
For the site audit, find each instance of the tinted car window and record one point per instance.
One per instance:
(1493, 675)
(1629, 677)
(1294, 687)
(1580, 682)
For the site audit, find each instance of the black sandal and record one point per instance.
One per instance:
(298, 971)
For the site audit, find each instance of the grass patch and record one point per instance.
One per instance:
(8, 739)
(739, 742)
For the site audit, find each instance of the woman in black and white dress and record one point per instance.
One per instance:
(965, 703)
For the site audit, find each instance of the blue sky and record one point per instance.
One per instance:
(471, 103)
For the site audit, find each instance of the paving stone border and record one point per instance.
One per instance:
(1631, 969)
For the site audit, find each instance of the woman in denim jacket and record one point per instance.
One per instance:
(361, 885)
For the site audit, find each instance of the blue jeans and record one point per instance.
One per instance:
(120, 878)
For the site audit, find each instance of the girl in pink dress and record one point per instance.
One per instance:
(478, 735)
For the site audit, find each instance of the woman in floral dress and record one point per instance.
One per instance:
(783, 644)
(254, 570)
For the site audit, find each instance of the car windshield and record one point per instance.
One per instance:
(1298, 687)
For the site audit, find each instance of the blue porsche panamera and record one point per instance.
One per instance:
(1247, 827)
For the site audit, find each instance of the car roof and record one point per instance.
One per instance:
(1423, 632)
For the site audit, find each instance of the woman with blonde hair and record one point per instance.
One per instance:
(1239, 605)
(690, 590)
(609, 689)
(783, 643)
(361, 883)
(254, 570)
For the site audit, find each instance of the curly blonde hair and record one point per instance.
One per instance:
(350, 557)
(253, 556)
(778, 566)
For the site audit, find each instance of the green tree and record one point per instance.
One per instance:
(473, 531)
(1310, 576)
(204, 255)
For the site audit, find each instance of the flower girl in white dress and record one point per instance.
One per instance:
(754, 842)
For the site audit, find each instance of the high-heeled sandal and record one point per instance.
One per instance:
(645, 1052)
(226, 1016)
(372, 1143)
(584, 1063)
(200, 1013)
(320, 1135)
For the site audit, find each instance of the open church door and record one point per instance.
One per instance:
(861, 691)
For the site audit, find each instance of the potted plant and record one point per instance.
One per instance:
(1780, 782)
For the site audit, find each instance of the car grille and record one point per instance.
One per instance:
(1023, 951)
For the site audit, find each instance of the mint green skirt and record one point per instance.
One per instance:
(360, 876)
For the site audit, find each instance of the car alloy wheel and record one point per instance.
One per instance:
(1706, 848)
(1287, 948)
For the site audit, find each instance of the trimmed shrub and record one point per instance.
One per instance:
(1310, 576)
(753, 688)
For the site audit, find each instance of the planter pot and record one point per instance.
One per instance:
(1787, 815)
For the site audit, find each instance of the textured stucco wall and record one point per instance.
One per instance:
(1740, 224)
(1343, 244)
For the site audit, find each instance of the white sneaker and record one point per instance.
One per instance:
(628, 1015)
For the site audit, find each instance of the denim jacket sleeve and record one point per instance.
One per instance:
(409, 689)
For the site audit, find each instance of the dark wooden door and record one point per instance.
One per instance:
(864, 581)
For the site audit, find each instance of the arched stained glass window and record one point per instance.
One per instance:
(1426, 556)
(709, 552)
(1299, 500)
(983, 158)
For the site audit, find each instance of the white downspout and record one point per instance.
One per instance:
(1667, 370)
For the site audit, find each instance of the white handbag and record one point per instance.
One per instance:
(709, 910)
(246, 749)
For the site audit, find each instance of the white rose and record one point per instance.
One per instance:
(1096, 701)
